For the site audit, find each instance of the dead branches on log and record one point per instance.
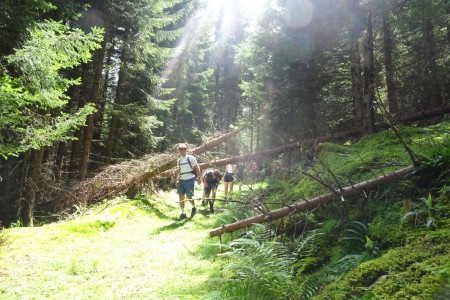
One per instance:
(347, 191)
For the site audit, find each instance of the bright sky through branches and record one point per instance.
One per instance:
(226, 10)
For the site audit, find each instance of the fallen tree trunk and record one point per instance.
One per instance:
(245, 157)
(429, 113)
(329, 137)
(347, 191)
(94, 190)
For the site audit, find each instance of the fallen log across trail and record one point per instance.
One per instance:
(111, 183)
(245, 157)
(347, 191)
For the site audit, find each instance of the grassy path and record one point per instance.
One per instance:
(128, 250)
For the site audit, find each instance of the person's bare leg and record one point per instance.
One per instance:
(204, 197)
(225, 192)
(181, 201)
(211, 201)
(194, 209)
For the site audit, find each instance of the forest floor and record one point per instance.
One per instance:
(137, 249)
(118, 250)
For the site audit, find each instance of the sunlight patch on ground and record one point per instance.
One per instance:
(140, 257)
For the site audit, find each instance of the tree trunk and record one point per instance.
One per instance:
(429, 113)
(59, 161)
(94, 98)
(355, 61)
(252, 130)
(369, 77)
(348, 191)
(432, 87)
(245, 157)
(29, 200)
(447, 10)
(114, 123)
(98, 193)
(99, 115)
(388, 65)
(80, 94)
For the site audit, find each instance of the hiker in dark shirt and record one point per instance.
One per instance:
(211, 180)
(240, 174)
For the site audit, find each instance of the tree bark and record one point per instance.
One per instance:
(61, 150)
(99, 115)
(77, 145)
(355, 61)
(245, 157)
(348, 191)
(29, 201)
(429, 113)
(432, 87)
(114, 123)
(369, 77)
(388, 65)
(447, 10)
(94, 98)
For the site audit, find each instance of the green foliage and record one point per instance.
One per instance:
(333, 272)
(419, 268)
(423, 213)
(30, 114)
(92, 227)
(358, 236)
(259, 268)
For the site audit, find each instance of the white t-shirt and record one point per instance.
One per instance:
(229, 169)
(186, 172)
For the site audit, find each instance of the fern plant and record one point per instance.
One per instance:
(311, 284)
(259, 268)
(423, 209)
(358, 236)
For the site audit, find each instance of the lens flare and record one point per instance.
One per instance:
(298, 13)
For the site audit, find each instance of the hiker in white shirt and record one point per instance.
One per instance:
(228, 180)
(187, 168)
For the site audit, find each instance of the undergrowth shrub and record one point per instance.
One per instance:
(358, 237)
(258, 268)
(334, 271)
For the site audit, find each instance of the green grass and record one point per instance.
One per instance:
(118, 250)
(136, 249)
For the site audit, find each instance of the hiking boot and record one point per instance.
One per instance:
(203, 202)
(194, 211)
(182, 216)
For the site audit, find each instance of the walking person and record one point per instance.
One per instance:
(253, 171)
(228, 180)
(240, 174)
(211, 180)
(187, 168)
